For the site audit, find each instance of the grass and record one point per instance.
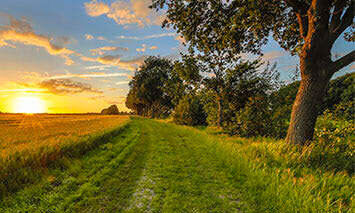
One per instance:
(152, 166)
(29, 144)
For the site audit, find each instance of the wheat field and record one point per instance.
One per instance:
(32, 142)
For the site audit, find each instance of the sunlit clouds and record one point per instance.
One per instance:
(115, 60)
(103, 50)
(20, 30)
(125, 12)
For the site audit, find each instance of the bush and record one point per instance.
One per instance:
(190, 111)
(253, 120)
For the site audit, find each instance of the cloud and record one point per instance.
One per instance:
(102, 50)
(66, 86)
(98, 67)
(101, 38)
(21, 31)
(89, 37)
(95, 8)
(148, 37)
(352, 67)
(55, 86)
(91, 75)
(122, 82)
(143, 49)
(115, 60)
(125, 12)
(273, 55)
(153, 47)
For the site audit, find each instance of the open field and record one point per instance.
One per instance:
(30, 142)
(151, 166)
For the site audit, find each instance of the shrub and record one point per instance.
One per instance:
(253, 120)
(190, 111)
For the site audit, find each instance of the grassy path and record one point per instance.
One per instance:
(158, 167)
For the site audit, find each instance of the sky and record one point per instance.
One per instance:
(78, 56)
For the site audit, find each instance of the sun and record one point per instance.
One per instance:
(29, 105)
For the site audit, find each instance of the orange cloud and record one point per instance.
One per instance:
(115, 60)
(153, 47)
(102, 50)
(95, 8)
(21, 31)
(123, 12)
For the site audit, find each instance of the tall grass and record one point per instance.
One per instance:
(277, 177)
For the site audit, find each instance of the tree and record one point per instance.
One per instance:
(190, 111)
(308, 28)
(153, 88)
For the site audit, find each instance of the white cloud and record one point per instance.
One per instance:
(148, 37)
(122, 82)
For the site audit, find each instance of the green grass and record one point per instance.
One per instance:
(153, 166)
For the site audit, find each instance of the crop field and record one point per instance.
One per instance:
(33, 141)
(22, 133)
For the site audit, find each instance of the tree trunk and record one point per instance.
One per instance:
(308, 102)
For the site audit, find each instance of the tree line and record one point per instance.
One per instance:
(218, 31)
(246, 99)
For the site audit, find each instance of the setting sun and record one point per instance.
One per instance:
(29, 105)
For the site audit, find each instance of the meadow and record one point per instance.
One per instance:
(157, 166)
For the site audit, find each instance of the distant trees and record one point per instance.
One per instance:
(308, 28)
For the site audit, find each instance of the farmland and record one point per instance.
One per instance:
(155, 166)
(28, 143)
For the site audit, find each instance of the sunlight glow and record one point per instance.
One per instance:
(29, 104)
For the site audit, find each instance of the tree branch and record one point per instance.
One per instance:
(346, 21)
(338, 11)
(301, 14)
(343, 61)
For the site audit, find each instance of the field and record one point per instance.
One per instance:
(154, 166)
(29, 142)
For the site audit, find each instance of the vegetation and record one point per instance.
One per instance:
(308, 28)
(31, 143)
(190, 112)
(153, 89)
(183, 169)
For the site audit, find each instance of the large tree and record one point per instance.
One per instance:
(308, 28)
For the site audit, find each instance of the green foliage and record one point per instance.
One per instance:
(253, 119)
(190, 111)
(154, 89)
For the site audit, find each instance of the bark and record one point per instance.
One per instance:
(306, 107)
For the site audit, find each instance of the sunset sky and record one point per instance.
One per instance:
(79, 55)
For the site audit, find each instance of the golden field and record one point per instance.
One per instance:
(21, 132)
(32, 142)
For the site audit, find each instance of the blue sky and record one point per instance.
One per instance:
(84, 51)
